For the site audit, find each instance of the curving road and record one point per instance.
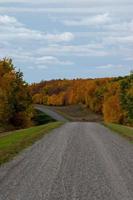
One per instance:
(51, 113)
(78, 161)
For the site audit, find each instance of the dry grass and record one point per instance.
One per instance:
(77, 113)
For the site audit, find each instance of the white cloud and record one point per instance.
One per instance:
(16, 40)
(110, 70)
(109, 66)
(129, 58)
(89, 21)
(101, 33)
(12, 29)
(126, 26)
(33, 67)
(118, 10)
(120, 40)
(42, 67)
(74, 50)
(51, 60)
(67, 36)
(8, 21)
(78, 2)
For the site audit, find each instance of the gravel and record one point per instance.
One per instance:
(78, 161)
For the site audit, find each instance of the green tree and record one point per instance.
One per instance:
(127, 96)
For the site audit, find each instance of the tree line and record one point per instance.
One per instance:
(111, 97)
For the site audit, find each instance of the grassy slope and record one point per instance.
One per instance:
(122, 130)
(13, 142)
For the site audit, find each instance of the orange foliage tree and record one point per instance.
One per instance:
(15, 99)
(112, 109)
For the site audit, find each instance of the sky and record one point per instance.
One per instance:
(51, 39)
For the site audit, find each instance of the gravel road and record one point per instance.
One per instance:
(51, 113)
(78, 161)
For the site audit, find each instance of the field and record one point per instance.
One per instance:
(12, 143)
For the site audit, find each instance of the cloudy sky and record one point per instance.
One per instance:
(49, 39)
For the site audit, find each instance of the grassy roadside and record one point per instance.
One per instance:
(13, 142)
(125, 131)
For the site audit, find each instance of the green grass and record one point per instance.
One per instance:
(13, 142)
(125, 131)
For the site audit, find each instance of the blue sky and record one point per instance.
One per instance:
(50, 39)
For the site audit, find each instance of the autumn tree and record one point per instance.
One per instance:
(112, 109)
(15, 99)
